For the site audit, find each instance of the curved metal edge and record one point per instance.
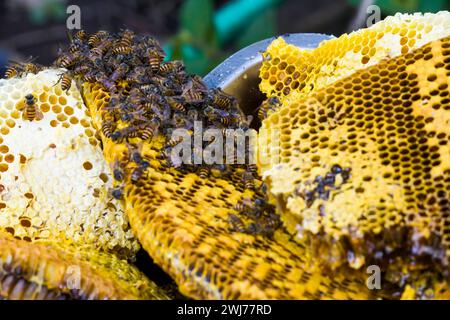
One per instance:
(239, 74)
(247, 57)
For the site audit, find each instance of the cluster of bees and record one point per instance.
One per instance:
(322, 185)
(18, 69)
(261, 215)
(151, 96)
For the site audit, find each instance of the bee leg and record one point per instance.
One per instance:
(59, 79)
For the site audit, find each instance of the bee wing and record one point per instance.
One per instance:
(39, 114)
(222, 113)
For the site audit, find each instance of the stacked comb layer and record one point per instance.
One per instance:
(45, 270)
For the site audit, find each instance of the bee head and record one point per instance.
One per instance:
(29, 96)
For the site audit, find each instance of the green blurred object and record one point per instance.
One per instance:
(233, 17)
(262, 27)
(41, 12)
(204, 33)
(196, 17)
(408, 6)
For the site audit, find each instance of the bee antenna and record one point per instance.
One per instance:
(69, 35)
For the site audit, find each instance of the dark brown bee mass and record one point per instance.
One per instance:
(154, 97)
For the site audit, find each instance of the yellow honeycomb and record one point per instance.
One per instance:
(46, 270)
(361, 168)
(288, 71)
(54, 180)
(181, 220)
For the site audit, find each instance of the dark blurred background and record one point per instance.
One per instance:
(201, 32)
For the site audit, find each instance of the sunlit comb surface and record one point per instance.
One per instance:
(289, 71)
(362, 167)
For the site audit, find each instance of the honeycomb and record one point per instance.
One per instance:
(46, 270)
(361, 168)
(54, 180)
(288, 71)
(181, 220)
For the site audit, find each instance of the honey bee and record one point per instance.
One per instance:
(154, 59)
(12, 71)
(106, 83)
(236, 223)
(240, 207)
(125, 43)
(171, 66)
(222, 100)
(121, 50)
(18, 68)
(132, 116)
(127, 38)
(107, 128)
(132, 131)
(117, 193)
(253, 228)
(117, 136)
(120, 72)
(173, 142)
(31, 111)
(66, 81)
(31, 68)
(97, 38)
(203, 172)
(267, 107)
(135, 153)
(273, 222)
(81, 70)
(74, 48)
(179, 120)
(176, 103)
(252, 168)
(138, 172)
(248, 180)
(90, 76)
(226, 120)
(164, 154)
(192, 94)
(146, 132)
(211, 113)
(80, 35)
(68, 60)
(118, 173)
(99, 50)
(138, 75)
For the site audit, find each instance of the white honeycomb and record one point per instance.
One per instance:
(54, 180)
